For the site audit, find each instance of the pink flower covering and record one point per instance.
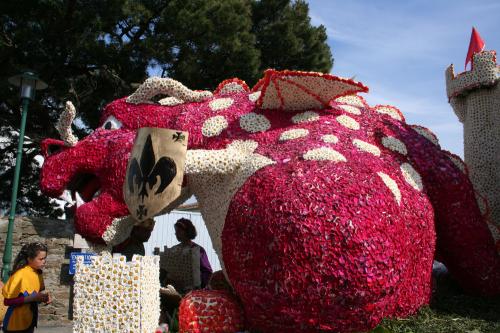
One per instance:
(337, 234)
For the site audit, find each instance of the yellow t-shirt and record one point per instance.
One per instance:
(24, 282)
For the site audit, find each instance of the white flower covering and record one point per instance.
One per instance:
(350, 109)
(324, 154)
(170, 101)
(215, 176)
(394, 144)
(426, 133)
(253, 97)
(163, 86)
(293, 134)
(119, 230)
(231, 88)
(475, 98)
(411, 176)
(214, 126)
(63, 125)
(391, 185)
(305, 117)
(367, 147)
(390, 111)
(458, 163)
(348, 122)
(112, 295)
(253, 123)
(220, 104)
(354, 100)
(330, 138)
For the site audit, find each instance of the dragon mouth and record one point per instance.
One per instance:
(82, 189)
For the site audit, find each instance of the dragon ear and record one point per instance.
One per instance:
(231, 86)
(296, 90)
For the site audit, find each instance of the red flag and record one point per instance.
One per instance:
(476, 45)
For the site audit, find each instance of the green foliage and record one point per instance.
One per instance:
(94, 51)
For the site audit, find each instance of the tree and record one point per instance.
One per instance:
(94, 51)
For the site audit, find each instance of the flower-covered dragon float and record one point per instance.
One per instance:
(326, 213)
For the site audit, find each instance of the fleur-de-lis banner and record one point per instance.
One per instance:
(155, 171)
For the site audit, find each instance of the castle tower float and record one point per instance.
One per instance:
(475, 98)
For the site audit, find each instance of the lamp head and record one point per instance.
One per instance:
(29, 82)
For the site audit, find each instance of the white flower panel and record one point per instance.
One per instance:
(305, 117)
(253, 123)
(293, 134)
(391, 185)
(366, 147)
(394, 144)
(411, 176)
(350, 109)
(214, 126)
(330, 138)
(324, 154)
(348, 122)
(220, 104)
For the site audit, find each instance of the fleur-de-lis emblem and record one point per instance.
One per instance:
(178, 136)
(144, 176)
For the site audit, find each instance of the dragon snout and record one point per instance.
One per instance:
(51, 146)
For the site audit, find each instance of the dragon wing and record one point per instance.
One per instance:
(296, 90)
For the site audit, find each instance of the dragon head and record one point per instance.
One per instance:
(90, 172)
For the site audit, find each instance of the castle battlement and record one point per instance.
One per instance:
(484, 72)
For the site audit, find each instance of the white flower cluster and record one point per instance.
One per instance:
(253, 97)
(354, 100)
(113, 295)
(162, 86)
(63, 125)
(305, 117)
(367, 147)
(214, 126)
(411, 176)
(293, 134)
(324, 154)
(119, 230)
(350, 109)
(220, 104)
(391, 185)
(170, 101)
(330, 138)
(394, 144)
(231, 88)
(390, 111)
(426, 133)
(348, 122)
(253, 123)
(458, 163)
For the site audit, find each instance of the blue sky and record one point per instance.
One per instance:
(400, 50)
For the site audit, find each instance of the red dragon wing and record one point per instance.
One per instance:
(296, 90)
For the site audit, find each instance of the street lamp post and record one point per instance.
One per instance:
(29, 83)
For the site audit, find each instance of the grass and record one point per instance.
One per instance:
(450, 311)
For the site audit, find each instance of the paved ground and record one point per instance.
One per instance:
(54, 329)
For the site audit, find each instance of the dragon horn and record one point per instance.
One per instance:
(64, 124)
(157, 85)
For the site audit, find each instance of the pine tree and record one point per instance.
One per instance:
(94, 51)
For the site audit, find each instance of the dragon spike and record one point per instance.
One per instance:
(164, 86)
(63, 125)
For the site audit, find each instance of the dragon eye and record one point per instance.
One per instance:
(111, 123)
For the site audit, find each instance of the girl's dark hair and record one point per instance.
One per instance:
(30, 250)
(187, 226)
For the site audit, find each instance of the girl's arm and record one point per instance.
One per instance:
(13, 301)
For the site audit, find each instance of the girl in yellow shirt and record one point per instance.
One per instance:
(24, 289)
